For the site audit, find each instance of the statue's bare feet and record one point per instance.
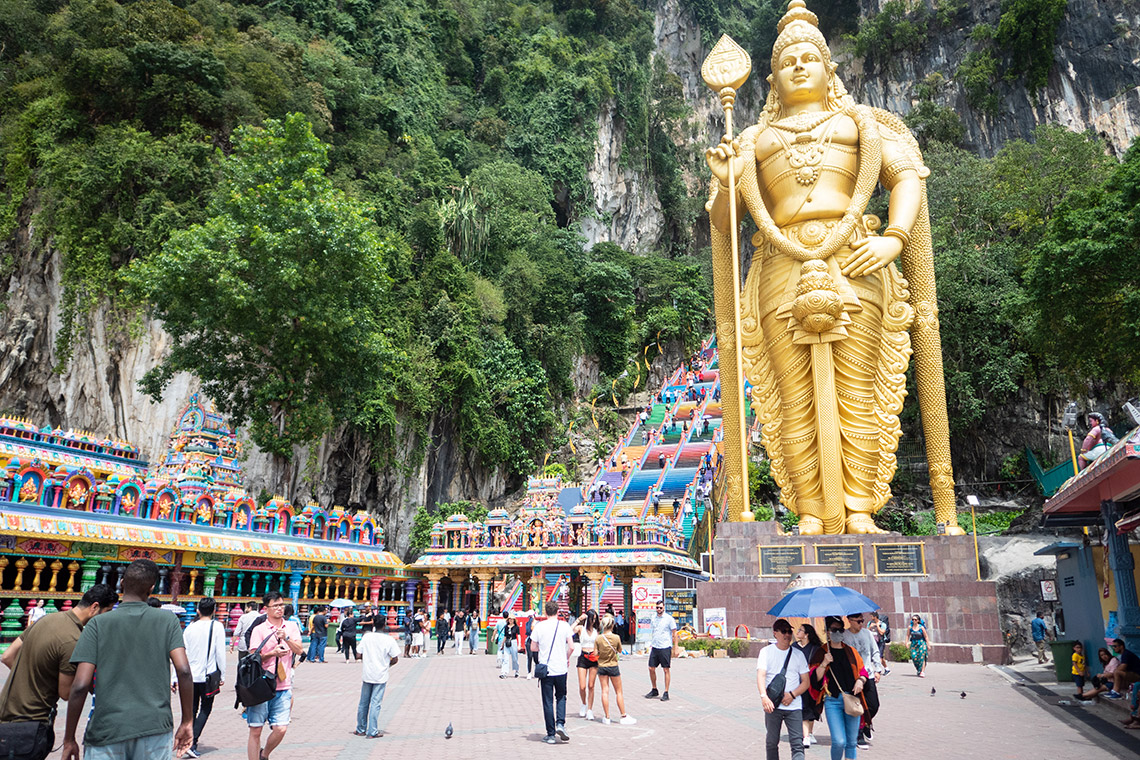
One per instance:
(954, 530)
(861, 522)
(810, 526)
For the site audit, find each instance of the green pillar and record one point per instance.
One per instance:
(10, 627)
(253, 586)
(90, 573)
(208, 583)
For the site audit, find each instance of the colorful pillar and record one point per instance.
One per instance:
(537, 582)
(295, 588)
(90, 572)
(375, 584)
(1123, 570)
(433, 594)
(410, 587)
(484, 577)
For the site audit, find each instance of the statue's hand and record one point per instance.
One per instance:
(718, 159)
(871, 255)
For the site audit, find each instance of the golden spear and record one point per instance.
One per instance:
(725, 69)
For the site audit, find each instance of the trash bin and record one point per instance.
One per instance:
(1063, 660)
(492, 644)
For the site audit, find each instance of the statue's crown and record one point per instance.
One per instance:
(799, 25)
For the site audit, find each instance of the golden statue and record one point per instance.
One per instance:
(825, 319)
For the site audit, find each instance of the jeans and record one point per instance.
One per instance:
(513, 653)
(275, 712)
(440, 642)
(474, 639)
(349, 641)
(202, 707)
(317, 648)
(531, 658)
(554, 701)
(368, 711)
(844, 729)
(793, 719)
(140, 748)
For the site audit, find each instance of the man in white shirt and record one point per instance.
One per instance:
(553, 641)
(774, 659)
(244, 622)
(379, 652)
(206, 650)
(663, 638)
(863, 641)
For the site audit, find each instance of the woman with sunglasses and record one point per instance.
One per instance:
(918, 641)
(838, 670)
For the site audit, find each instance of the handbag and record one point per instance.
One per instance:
(213, 680)
(27, 739)
(542, 669)
(852, 705)
(778, 686)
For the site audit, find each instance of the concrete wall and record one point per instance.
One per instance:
(961, 611)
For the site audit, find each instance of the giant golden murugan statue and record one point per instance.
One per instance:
(826, 319)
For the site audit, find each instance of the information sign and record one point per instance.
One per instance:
(679, 603)
(775, 560)
(899, 559)
(847, 558)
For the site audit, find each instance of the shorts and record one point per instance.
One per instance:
(139, 748)
(275, 712)
(417, 639)
(611, 671)
(584, 662)
(662, 657)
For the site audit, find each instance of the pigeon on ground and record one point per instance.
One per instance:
(932, 691)
(447, 734)
(963, 695)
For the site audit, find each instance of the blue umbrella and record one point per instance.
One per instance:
(822, 601)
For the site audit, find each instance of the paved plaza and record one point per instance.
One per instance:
(714, 712)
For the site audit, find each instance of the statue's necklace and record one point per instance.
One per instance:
(805, 154)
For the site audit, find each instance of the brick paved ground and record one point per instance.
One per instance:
(714, 712)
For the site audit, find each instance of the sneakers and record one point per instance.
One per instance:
(809, 740)
(1113, 694)
(665, 696)
(627, 720)
(862, 744)
(550, 740)
(605, 721)
(561, 732)
(653, 694)
(191, 753)
(582, 711)
(589, 715)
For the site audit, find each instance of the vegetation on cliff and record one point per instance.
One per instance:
(363, 213)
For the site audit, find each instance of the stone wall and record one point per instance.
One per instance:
(961, 612)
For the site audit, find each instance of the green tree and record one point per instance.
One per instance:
(279, 301)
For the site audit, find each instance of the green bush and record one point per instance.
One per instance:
(737, 647)
(900, 652)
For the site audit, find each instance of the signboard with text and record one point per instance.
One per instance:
(646, 593)
(775, 560)
(716, 622)
(679, 602)
(847, 558)
(899, 559)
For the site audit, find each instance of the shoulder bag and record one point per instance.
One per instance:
(778, 686)
(27, 739)
(852, 705)
(213, 680)
(542, 669)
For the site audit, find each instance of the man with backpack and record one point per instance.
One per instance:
(278, 639)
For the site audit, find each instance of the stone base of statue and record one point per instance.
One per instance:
(932, 576)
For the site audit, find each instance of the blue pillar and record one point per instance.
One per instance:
(295, 589)
(1123, 571)
(410, 587)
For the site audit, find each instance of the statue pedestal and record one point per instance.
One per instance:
(934, 576)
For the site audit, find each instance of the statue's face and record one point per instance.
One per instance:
(801, 76)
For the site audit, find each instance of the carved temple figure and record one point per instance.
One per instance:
(826, 318)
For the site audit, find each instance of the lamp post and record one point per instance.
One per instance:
(973, 502)
(1069, 420)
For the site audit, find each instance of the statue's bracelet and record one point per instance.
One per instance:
(897, 232)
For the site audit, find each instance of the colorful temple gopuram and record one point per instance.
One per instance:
(76, 509)
(624, 538)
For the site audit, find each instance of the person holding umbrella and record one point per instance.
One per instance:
(839, 672)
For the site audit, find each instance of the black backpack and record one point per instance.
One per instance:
(254, 684)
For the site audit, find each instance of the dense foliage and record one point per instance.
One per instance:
(351, 212)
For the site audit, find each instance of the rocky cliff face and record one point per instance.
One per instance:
(1094, 83)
